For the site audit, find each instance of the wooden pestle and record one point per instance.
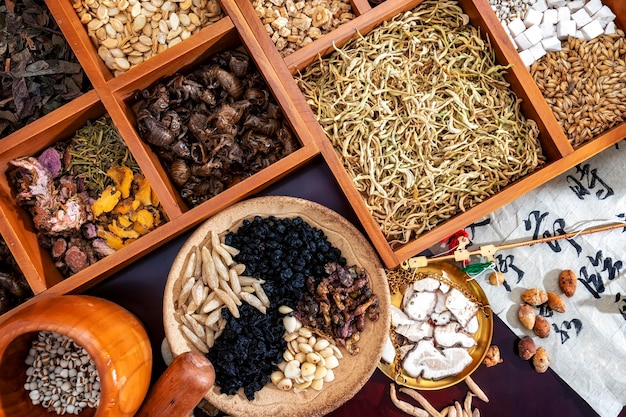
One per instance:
(181, 387)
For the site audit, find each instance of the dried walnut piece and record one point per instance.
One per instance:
(492, 358)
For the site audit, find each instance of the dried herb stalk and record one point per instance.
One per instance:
(94, 149)
(422, 117)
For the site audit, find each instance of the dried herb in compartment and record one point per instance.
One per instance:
(214, 127)
(40, 71)
(67, 181)
(14, 289)
(423, 119)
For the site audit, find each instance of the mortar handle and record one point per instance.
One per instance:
(181, 387)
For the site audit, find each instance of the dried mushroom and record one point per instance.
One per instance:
(74, 191)
(214, 127)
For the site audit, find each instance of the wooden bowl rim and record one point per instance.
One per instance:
(353, 371)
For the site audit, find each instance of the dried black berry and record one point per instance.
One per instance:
(284, 253)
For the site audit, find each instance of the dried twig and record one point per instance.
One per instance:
(473, 386)
(405, 406)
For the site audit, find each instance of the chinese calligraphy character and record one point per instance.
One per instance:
(558, 228)
(594, 282)
(619, 299)
(506, 264)
(584, 173)
(566, 327)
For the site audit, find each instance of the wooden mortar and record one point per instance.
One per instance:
(114, 338)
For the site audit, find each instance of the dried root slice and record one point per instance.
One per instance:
(212, 280)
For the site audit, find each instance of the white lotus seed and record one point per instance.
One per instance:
(292, 370)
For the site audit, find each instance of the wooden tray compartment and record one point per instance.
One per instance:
(241, 26)
(560, 155)
(115, 96)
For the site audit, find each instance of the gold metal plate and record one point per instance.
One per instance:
(483, 336)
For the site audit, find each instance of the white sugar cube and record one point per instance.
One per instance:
(551, 44)
(592, 6)
(581, 18)
(610, 28)
(592, 30)
(547, 30)
(522, 41)
(537, 51)
(527, 57)
(533, 34)
(533, 17)
(540, 6)
(516, 27)
(565, 28)
(563, 13)
(550, 16)
(513, 42)
(575, 5)
(555, 3)
(579, 34)
(605, 16)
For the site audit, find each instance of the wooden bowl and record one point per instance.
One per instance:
(114, 338)
(353, 371)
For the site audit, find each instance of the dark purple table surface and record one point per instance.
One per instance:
(513, 387)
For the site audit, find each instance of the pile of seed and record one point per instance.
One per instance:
(584, 84)
(284, 253)
(128, 32)
(294, 24)
(422, 118)
(61, 376)
(508, 10)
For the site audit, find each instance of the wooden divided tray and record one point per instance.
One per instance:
(241, 27)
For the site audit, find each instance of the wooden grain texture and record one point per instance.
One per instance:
(114, 338)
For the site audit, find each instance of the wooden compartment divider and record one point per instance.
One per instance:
(241, 26)
(560, 155)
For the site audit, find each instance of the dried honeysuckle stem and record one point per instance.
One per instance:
(420, 114)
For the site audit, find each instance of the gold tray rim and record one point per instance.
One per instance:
(483, 336)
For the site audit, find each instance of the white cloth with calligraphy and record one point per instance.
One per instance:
(587, 344)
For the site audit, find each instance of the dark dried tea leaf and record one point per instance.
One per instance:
(41, 72)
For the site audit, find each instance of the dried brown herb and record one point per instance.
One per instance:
(40, 71)
(14, 289)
